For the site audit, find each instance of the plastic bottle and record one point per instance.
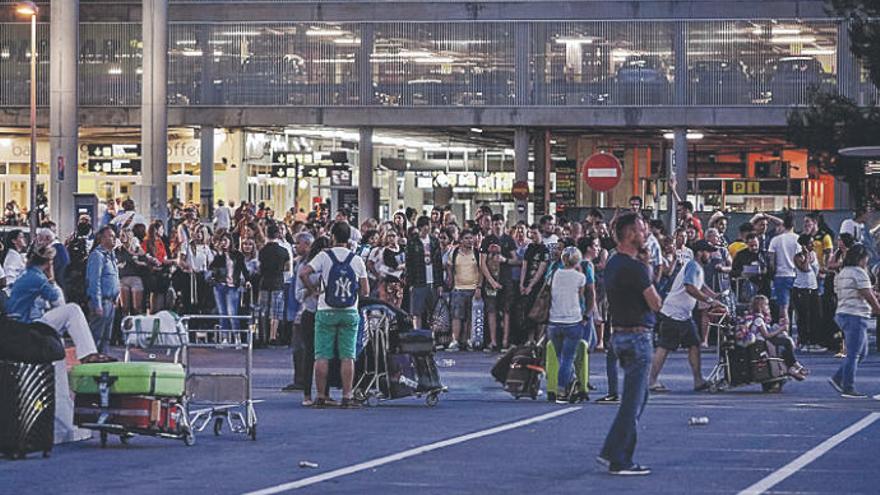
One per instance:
(308, 464)
(698, 421)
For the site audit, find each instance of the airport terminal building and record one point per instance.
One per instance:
(382, 103)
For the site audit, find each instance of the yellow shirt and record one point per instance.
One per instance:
(822, 244)
(735, 247)
(466, 270)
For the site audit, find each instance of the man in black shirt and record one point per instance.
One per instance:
(535, 261)
(274, 263)
(497, 256)
(632, 302)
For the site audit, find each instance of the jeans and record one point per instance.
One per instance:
(565, 338)
(634, 351)
(855, 333)
(227, 300)
(611, 367)
(102, 326)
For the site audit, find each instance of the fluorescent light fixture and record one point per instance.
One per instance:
(240, 33)
(334, 61)
(347, 41)
(115, 71)
(325, 32)
(575, 40)
(818, 51)
(777, 30)
(192, 53)
(434, 60)
(783, 40)
(690, 136)
(476, 130)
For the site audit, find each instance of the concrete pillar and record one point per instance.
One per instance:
(153, 199)
(679, 49)
(678, 169)
(63, 124)
(364, 67)
(206, 168)
(367, 207)
(521, 43)
(521, 166)
(539, 192)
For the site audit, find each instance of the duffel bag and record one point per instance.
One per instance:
(32, 343)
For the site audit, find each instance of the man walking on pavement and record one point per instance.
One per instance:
(677, 326)
(632, 301)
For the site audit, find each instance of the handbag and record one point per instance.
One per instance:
(540, 310)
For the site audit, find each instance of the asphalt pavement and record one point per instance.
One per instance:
(478, 439)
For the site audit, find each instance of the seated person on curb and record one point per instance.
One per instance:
(758, 325)
(677, 325)
(34, 289)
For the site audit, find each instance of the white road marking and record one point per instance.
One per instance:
(811, 455)
(356, 468)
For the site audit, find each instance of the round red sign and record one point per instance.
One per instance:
(520, 190)
(602, 171)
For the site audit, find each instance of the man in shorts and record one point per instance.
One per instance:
(336, 327)
(274, 263)
(497, 257)
(464, 276)
(677, 327)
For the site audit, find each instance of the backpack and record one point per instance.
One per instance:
(74, 282)
(342, 283)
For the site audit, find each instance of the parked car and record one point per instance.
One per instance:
(641, 80)
(719, 82)
(792, 78)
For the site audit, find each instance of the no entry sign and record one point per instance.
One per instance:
(602, 171)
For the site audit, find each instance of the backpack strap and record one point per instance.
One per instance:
(332, 256)
(349, 258)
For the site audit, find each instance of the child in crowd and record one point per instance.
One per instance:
(758, 325)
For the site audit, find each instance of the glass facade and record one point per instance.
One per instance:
(577, 63)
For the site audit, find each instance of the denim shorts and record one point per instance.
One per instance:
(782, 290)
(422, 300)
(675, 333)
(461, 304)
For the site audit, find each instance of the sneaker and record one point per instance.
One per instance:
(602, 461)
(853, 394)
(609, 399)
(876, 397)
(840, 355)
(453, 347)
(835, 385)
(562, 399)
(634, 470)
(551, 396)
(293, 387)
(658, 388)
(487, 349)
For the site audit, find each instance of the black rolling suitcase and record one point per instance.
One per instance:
(27, 408)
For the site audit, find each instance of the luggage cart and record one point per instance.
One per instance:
(168, 416)
(216, 398)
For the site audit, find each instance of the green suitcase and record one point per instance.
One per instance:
(580, 385)
(139, 378)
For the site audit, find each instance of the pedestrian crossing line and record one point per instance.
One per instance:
(811, 455)
(381, 461)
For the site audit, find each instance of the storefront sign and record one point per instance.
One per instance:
(566, 184)
(602, 171)
(762, 187)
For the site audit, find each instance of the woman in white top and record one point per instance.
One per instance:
(565, 328)
(805, 294)
(855, 302)
(14, 264)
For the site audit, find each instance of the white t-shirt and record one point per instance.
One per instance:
(847, 284)
(679, 305)
(222, 217)
(783, 248)
(290, 255)
(322, 265)
(684, 255)
(550, 241)
(429, 267)
(856, 229)
(565, 302)
(808, 279)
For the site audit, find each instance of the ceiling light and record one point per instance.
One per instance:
(575, 40)
(476, 130)
(325, 32)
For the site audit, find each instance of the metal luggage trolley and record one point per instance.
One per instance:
(724, 329)
(153, 343)
(218, 397)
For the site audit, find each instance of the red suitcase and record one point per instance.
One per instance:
(130, 411)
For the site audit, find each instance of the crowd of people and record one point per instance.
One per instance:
(804, 288)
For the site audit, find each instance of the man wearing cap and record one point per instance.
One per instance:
(677, 326)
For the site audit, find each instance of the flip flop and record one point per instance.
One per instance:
(658, 388)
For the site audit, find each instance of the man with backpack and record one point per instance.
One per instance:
(343, 276)
(465, 283)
